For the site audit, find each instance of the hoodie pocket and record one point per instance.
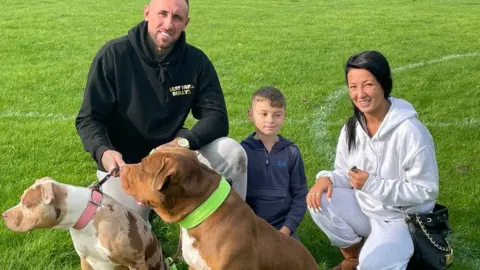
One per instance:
(268, 203)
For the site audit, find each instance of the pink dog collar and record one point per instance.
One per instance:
(89, 212)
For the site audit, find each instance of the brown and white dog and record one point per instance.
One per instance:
(114, 238)
(174, 182)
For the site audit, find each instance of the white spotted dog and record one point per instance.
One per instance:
(105, 234)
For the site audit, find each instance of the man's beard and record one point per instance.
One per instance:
(154, 46)
(164, 47)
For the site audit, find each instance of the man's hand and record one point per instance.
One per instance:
(285, 230)
(172, 143)
(358, 178)
(112, 159)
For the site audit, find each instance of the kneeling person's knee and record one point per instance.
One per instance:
(232, 153)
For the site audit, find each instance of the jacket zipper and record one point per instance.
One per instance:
(377, 169)
(370, 145)
(266, 159)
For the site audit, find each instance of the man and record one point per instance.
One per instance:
(139, 91)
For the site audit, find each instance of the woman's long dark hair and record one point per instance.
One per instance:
(376, 64)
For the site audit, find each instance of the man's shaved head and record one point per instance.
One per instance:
(186, 1)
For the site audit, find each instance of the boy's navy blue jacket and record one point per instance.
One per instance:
(277, 188)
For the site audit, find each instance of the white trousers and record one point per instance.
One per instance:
(389, 244)
(224, 155)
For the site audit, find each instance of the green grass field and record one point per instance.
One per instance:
(299, 46)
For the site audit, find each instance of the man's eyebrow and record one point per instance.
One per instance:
(178, 15)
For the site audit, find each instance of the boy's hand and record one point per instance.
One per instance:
(285, 230)
(358, 178)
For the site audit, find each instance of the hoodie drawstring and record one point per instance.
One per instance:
(161, 78)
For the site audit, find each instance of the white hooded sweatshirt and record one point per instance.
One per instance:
(400, 160)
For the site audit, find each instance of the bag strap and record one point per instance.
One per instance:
(430, 238)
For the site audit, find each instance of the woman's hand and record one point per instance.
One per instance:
(358, 178)
(322, 185)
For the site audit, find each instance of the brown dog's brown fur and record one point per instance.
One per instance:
(174, 182)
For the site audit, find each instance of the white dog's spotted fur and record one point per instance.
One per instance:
(50, 204)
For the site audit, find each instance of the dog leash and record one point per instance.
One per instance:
(96, 199)
(98, 185)
(174, 259)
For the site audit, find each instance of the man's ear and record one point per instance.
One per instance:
(250, 113)
(47, 192)
(146, 11)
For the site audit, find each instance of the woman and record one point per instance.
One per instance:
(385, 165)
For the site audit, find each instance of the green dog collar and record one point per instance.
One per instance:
(207, 207)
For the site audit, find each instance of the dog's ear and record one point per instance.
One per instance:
(190, 173)
(161, 184)
(47, 192)
(39, 192)
(46, 189)
(43, 180)
(178, 167)
(161, 179)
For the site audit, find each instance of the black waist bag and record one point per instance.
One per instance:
(429, 234)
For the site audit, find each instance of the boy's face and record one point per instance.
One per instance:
(268, 120)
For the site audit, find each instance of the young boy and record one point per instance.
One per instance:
(276, 189)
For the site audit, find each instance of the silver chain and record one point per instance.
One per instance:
(446, 249)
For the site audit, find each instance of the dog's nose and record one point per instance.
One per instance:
(4, 215)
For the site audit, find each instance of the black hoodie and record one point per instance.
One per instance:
(133, 103)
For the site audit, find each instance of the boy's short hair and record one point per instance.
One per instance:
(274, 95)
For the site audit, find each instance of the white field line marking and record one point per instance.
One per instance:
(466, 123)
(320, 115)
(320, 124)
(48, 116)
